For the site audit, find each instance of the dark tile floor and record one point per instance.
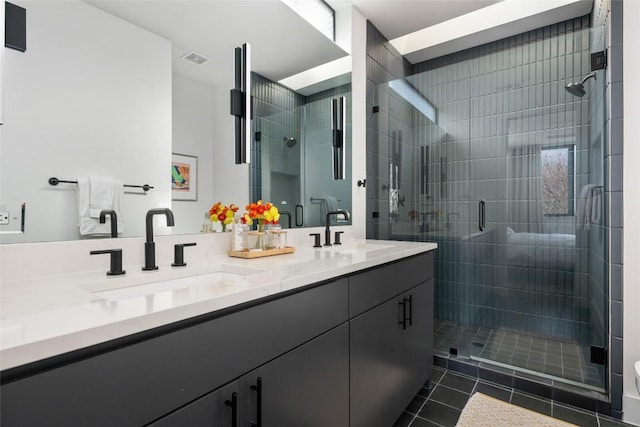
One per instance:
(442, 401)
(562, 360)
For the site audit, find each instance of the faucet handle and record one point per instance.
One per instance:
(178, 254)
(115, 265)
(316, 243)
(336, 237)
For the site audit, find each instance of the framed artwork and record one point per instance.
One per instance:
(184, 177)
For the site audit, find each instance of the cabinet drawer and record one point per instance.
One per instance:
(373, 287)
(134, 385)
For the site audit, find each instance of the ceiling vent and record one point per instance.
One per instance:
(195, 58)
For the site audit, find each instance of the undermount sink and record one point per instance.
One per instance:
(224, 274)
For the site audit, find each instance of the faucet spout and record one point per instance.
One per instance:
(114, 220)
(149, 219)
(327, 231)
(150, 246)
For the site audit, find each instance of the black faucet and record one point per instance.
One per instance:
(288, 214)
(115, 264)
(327, 232)
(114, 220)
(150, 246)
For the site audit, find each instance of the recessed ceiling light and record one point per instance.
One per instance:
(195, 58)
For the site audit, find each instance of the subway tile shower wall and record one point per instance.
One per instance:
(475, 91)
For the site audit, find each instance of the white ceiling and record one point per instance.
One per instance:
(395, 18)
(283, 44)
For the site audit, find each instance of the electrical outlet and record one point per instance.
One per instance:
(4, 218)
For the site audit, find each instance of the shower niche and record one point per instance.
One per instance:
(293, 150)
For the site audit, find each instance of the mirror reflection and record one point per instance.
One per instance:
(104, 89)
(293, 150)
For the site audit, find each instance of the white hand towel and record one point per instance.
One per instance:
(90, 205)
(101, 195)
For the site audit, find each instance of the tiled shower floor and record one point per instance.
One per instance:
(564, 361)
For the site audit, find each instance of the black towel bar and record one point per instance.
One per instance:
(56, 181)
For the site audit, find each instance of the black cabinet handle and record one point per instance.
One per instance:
(481, 222)
(410, 301)
(233, 403)
(299, 208)
(258, 389)
(404, 313)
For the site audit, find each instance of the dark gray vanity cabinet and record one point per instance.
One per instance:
(391, 341)
(307, 386)
(352, 351)
(133, 384)
(417, 340)
(220, 408)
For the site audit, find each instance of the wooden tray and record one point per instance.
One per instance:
(260, 254)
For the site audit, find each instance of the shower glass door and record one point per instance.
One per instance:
(487, 154)
(534, 171)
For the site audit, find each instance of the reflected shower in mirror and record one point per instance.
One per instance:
(293, 149)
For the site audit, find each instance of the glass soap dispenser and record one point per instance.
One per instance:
(207, 225)
(238, 235)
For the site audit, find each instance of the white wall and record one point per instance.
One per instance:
(631, 200)
(193, 135)
(230, 181)
(90, 96)
(359, 122)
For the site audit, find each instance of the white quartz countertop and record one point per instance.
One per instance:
(48, 316)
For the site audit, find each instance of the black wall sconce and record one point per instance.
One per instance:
(338, 107)
(241, 103)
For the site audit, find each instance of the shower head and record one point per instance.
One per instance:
(290, 141)
(577, 89)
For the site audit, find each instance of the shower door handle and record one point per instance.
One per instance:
(481, 215)
(299, 208)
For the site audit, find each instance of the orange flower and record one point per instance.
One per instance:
(222, 213)
(264, 213)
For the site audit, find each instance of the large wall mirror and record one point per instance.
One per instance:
(118, 88)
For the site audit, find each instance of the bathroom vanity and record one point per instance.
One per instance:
(332, 337)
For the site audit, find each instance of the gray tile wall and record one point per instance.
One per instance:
(598, 291)
(607, 20)
(491, 99)
(276, 115)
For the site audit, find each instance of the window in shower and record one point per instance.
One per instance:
(558, 180)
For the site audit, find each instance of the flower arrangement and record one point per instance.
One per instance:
(223, 214)
(262, 212)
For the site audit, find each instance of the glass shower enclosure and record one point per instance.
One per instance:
(487, 154)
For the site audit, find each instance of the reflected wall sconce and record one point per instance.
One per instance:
(338, 107)
(241, 107)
